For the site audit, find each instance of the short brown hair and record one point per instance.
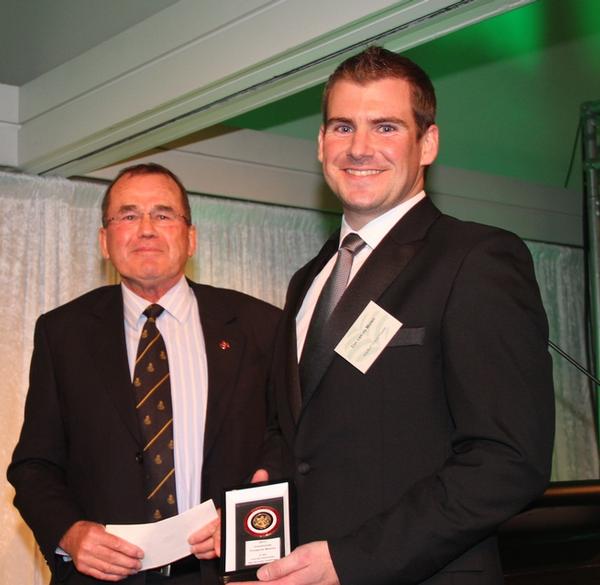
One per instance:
(376, 63)
(147, 169)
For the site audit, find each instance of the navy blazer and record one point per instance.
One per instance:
(78, 456)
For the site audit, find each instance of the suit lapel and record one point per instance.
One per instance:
(109, 351)
(302, 280)
(224, 345)
(297, 290)
(383, 267)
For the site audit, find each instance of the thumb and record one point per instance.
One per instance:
(260, 475)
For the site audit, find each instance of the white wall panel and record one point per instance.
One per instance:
(9, 125)
(263, 167)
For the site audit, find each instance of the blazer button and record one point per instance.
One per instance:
(303, 467)
(139, 457)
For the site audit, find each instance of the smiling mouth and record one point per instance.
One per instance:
(363, 172)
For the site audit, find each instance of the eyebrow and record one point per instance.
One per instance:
(373, 121)
(331, 121)
(132, 207)
(392, 120)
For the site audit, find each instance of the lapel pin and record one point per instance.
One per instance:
(224, 345)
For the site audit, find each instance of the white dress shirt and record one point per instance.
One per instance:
(372, 233)
(180, 326)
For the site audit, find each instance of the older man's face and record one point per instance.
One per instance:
(148, 248)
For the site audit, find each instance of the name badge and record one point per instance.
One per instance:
(368, 336)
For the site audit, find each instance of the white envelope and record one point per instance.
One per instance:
(165, 541)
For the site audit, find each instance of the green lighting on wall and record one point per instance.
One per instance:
(509, 91)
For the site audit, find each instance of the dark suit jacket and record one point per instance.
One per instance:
(408, 469)
(78, 456)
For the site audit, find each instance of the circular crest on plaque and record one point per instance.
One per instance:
(262, 521)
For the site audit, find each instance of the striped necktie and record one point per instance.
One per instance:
(152, 389)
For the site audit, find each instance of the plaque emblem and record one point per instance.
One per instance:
(262, 521)
(256, 528)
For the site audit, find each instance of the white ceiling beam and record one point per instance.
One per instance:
(196, 64)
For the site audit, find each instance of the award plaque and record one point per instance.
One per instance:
(256, 528)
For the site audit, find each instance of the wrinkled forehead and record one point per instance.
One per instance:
(145, 191)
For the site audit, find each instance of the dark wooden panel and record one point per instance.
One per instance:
(557, 540)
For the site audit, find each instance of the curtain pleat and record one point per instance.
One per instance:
(253, 247)
(560, 274)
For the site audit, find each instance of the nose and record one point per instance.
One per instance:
(360, 145)
(146, 225)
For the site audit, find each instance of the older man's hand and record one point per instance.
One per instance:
(206, 542)
(99, 554)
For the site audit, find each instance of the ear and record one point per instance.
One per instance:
(320, 143)
(429, 145)
(191, 240)
(102, 243)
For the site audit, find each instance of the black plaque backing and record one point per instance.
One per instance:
(256, 528)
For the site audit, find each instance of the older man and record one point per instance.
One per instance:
(414, 397)
(145, 398)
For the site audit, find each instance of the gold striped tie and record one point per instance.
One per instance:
(152, 389)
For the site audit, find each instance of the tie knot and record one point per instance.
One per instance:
(353, 243)
(153, 311)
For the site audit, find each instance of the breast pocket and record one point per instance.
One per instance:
(408, 336)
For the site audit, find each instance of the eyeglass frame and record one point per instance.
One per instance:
(132, 210)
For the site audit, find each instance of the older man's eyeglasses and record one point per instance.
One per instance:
(158, 217)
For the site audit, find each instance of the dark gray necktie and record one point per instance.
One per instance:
(152, 387)
(330, 295)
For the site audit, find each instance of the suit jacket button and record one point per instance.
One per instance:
(139, 457)
(303, 467)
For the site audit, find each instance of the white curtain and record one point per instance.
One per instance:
(49, 255)
(560, 274)
(252, 247)
(48, 237)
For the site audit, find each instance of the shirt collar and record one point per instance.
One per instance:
(373, 232)
(177, 302)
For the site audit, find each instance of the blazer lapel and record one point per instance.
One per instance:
(297, 290)
(382, 268)
(108, 348)
(302, 280)
(224, 350)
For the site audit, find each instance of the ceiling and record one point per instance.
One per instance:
(38, 35)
